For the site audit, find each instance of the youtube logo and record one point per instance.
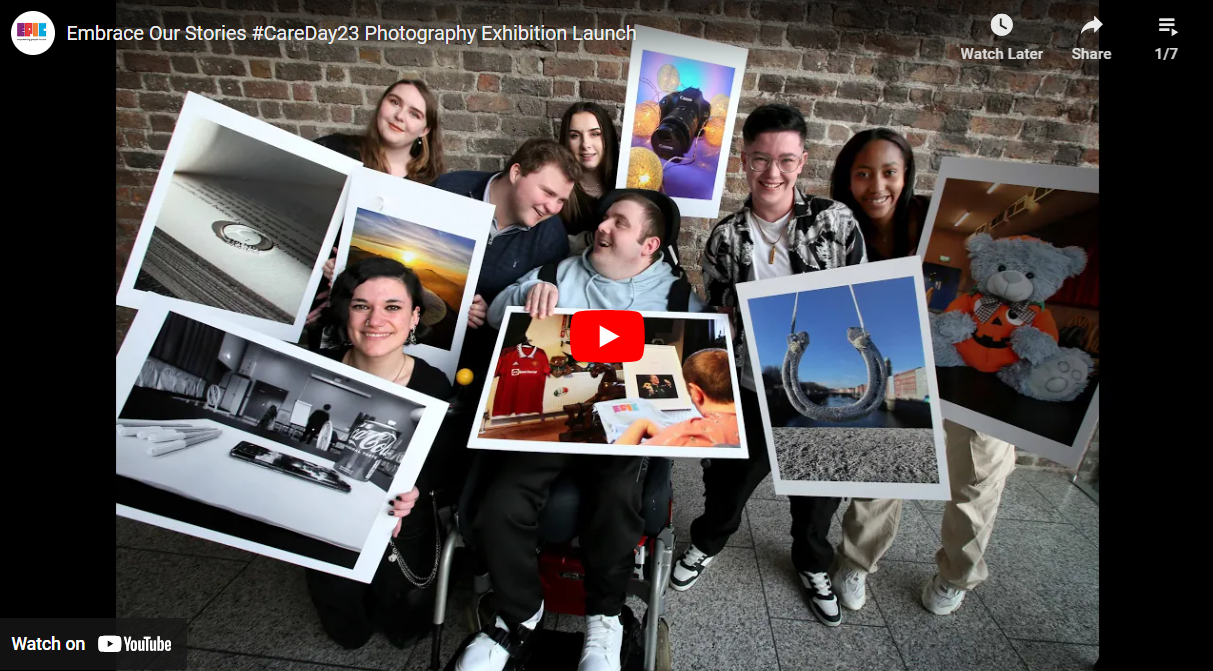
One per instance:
(607, 336)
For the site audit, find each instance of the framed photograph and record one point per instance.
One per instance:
(239, 222)
(541, 400)
(438, 234)
(678, 119)
(846, 382)
(1011, 257)
(244, 473)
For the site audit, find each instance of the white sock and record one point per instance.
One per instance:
(529, 624)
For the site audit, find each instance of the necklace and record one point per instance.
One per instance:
(348, 360)
(772, 243)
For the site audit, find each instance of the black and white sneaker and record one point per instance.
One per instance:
(688, 568)
(822, 600)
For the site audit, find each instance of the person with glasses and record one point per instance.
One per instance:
(779, 231)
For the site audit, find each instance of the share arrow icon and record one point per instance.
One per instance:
(1093, 26)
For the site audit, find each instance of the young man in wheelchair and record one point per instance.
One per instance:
(623, 270)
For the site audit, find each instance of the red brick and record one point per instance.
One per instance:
(301, 72)
(482, 61)
(610, 70)
(490, 83)
(1039, 107)
(933, 74)
(893, 44)
(304, 112)
(186, 64)
(1091, 156)
(1030, 151)
(156, 82)
(564, 89)
(996, 126)
(276, 90)
(161, 102)
(810, 87)
(1083, 88)
(261, 69)
(923, 119)
(603, 91)
(487, 102)
(1020, 82)
(370, 55)
(301, 91)
(134, 140)
(771, 58)
(341, 114)
(608, 47)
(1065, 11)
(221, 67)
(270, 109)
(126, 98)
(730, 31)
(563, 67)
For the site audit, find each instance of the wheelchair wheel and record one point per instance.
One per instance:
(664, 660)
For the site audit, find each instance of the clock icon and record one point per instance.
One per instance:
(1001, 25)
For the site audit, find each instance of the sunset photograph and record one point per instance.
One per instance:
(440, 259)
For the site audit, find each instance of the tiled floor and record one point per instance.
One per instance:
(1037, 612)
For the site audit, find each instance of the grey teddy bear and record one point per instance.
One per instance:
(1002, 326)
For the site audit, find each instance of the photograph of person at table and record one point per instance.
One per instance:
(209, 486)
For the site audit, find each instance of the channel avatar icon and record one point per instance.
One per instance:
(607, 336)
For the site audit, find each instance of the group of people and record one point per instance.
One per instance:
(546, 211)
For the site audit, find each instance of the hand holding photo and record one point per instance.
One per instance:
(845, 385)
(678, 119)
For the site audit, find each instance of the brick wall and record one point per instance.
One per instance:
(848, 65)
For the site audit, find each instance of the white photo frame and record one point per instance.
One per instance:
(255, 253)
(907, 269)
(717, 324)
(181, 490)
(456, 228)
(705, 63)
(1067, 450)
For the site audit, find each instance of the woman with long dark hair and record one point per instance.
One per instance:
(378, 303)
(874, 176)
(586, 129)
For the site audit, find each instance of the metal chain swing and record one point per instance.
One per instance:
(878, 373)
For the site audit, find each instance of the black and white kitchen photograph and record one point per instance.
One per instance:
(226, 434)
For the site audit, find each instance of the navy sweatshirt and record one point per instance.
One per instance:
(512, 253)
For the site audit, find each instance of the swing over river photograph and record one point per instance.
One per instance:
(846, 383)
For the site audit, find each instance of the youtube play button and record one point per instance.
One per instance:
(607, 336)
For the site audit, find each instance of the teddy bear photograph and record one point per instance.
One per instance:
(1012, 284)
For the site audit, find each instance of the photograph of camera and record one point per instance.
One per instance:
(683, 114)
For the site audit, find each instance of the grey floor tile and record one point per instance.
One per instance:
(687, 477)
(207, 660)
(143, 536)
(771, 523)
(965, 640)
(454, 632)
(787, 598)
(1051, 553)
(801, 645)
(1056, 656)
(158, 584)
(1029, 608)
(917, 539)
(721, 623)
(1053, 485)
(267, 611)
(1083, 513)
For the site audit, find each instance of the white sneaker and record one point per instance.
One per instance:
(688, 568)
(940, 597)
(851, 587)
(485, 653)
(822, 600)
(603, 640)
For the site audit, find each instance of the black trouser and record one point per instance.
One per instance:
(728, 485)
(507, 525)
(350, 610)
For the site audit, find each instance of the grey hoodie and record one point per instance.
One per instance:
(582, 287)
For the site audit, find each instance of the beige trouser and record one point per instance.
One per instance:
(978, 466)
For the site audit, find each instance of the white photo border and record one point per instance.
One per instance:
(128, 364)
(428, 207)
(858, 274)
(1062, 177)
(200, 108)
(608, 449)
(683, 46)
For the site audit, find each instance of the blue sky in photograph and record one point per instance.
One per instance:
(439, 248)
(890, 314)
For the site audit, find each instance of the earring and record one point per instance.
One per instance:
(417, 143)
(412, 337)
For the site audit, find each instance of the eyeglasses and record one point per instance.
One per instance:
(786, 164)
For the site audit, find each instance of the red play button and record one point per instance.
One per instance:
(608, 336)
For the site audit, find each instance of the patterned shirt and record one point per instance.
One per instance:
(822, 234)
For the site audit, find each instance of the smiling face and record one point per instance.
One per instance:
(877, 179)
(381, 317)
(619, 249)
(773, 190)
(585, 140)
(540, 194)
(401, 117)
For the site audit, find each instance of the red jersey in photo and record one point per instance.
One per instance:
(523, 371)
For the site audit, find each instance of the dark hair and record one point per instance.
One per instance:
(579, 205)
(538, 152)
(337, 314)
(427, 162)
(654, 220)
(709, 369)
(774, 118)
(327, 406)
(840, 186)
